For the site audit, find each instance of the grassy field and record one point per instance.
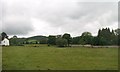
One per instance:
(43, 57)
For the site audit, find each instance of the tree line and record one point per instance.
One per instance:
(104, 37)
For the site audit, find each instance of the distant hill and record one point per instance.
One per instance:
(29, 40)
(38, 39)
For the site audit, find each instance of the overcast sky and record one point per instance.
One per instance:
(52, 17)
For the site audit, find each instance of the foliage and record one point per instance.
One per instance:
(105, 36)
(51, 40)
(3, 35)
(117, 39)
(17, 41)
(95, 41)
(76, 40)
(117, 31)
(86, 38)
(67, 37)
(61, 42)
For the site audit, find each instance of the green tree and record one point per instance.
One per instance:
(95, 41)
(86, 38)
(68, 38)
(113, 38)
(61, 42)
(117, 33)
(75, 40)
(4, 35)
(13, 41)
(51, 40)
(104, 37)
(17, 41)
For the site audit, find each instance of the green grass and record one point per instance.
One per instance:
(54, 58)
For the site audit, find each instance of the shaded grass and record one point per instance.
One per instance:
(54, 58)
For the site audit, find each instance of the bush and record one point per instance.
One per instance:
(61, 42)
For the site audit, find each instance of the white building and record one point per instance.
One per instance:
(5, 42)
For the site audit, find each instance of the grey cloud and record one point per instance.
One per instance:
(15, 19)
(68, 15)
(17, 25)
(83, 16)
(89, 11)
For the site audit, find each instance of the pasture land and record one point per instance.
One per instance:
(42, 57)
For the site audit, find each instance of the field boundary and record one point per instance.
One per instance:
(90, 46)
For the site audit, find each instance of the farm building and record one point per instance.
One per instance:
(5, 42)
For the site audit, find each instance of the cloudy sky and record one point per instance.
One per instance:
(51, 17)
